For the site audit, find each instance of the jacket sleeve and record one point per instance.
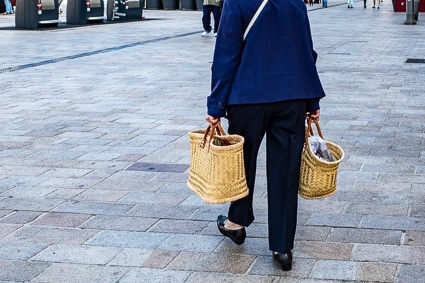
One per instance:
(227, 53)
(307, 24)
(312, 104)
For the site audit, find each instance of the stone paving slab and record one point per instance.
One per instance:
(51, 235)
(20, 271)
(74, 273)
(82, 106)
(14, 250)
(90, 255)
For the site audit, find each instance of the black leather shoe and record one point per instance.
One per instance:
(285, 260)
(237, 236)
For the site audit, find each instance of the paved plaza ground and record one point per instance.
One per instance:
(94, 155)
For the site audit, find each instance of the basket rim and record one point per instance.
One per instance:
(201, 133)
(240, 141)
(324, 161)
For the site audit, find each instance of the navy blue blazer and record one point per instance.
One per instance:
(276, 62)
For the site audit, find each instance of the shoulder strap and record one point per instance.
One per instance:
(254, 18)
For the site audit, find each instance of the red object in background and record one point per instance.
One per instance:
(400, 5)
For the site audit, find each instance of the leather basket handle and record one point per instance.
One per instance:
(309, 131)
(211, 129)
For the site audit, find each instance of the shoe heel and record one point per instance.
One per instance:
(287, 266)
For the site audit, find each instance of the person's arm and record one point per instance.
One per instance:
(313, 105)
(227, 54)
(310, 39)
(212, 120)
(313, 108)
(315, 115)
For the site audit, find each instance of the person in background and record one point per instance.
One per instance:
(214, 7)
(350, 3)
(9, 9)
(376, 3)
(265, 85)
(364, 3)
(325, 4)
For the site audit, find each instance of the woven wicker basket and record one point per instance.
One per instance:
(317, 176)
(217, 170)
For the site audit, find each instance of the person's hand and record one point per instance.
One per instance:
(212, 120)
(315, 115)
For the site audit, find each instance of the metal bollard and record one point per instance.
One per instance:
(409, 13)
(416, 11)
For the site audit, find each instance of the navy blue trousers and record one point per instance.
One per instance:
(283, 124)
(206, 17)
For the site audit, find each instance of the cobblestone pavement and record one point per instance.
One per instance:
(94, 155)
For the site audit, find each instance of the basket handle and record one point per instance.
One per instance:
(211, 129)
(309, 131)
(220, 131)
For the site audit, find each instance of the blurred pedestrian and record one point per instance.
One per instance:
(376, 4)
(9, 8)
(364, 3)
(350, 3)
(214, 7)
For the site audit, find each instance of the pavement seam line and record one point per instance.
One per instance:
(95, 52)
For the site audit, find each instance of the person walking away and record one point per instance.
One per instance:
(376, 4)
(214, 7)
(9, 9)
(265, 85)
